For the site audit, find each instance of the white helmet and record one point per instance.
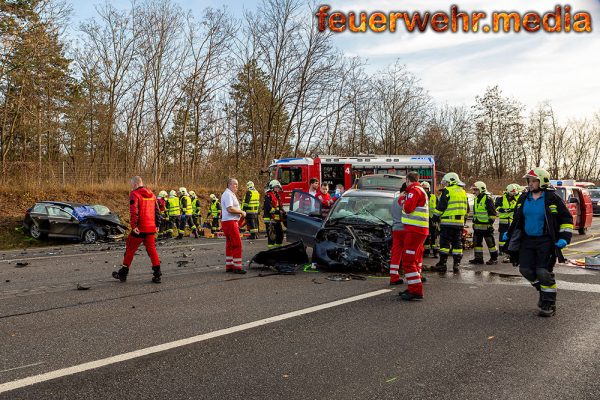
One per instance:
(172, 193)
(451, 178)
(162, 194)
(212, 196)
(192, 193)
(182, 191)
(479, 186)
(426, 185)
(274, 183)
(250, 185)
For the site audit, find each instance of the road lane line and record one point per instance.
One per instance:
(23, 366)
(32, 380)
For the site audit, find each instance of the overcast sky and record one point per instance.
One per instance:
(455, 67)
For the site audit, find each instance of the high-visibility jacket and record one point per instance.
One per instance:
(432, 204)
(506, 208)
(195, 206)
(173, 207)
(484, 213)
(186, 205)
(452, 207)
(215, 209)
(415, 211)
(251, 201)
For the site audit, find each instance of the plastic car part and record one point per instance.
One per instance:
(285, 258)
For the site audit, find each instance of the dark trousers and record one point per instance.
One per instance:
(488, 236)
(537, 257)
(252, 224)
(431, 239)
(174, 222)
(451, 242)
(215, 224)
(274, 234)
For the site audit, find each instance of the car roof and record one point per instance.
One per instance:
(369, 193)
(61, 203)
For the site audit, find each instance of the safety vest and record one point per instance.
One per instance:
(173, 207)
(432, 204)
(508, 209)
(420, 216)
(188, 205)
(252, 206)
(195, 206)
(454, 214)
(214, 210)
(481, 220)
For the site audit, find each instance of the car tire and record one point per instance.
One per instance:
(35, 231)
(582, 231)
(89, 236)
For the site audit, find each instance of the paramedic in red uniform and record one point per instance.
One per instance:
(231, 213)
(144, 214)
(415, 221)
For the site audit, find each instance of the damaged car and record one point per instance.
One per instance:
(357, 233)
(88, 223)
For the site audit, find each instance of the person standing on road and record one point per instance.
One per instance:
(541, 228)
(185, 203)
(251, 205)
(484, 215)
(174, 211)
(231, 215)
(397, 236)
(505, 206)
(214, 211)
(431, 246)
(415, 218)
(272, 215)
(451, 211)
(196, 217)
(144, 215)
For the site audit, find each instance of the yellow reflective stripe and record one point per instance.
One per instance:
(548, 289)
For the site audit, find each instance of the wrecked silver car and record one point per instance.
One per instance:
(356, 234)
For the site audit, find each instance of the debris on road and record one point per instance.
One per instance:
(182, 263)
(82, 287)
(22, 264)
(339, 278)
(285, 259)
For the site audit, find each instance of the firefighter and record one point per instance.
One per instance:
(161, 199)
(174, 211)
(185, 202)
(451, 211)
(505, 206)
(415, 219)
(196, 217)
(214, 211)
(144, 212)
(484, 215)
(272, 215)
(541, 228)
(431, 246)
(250, 205)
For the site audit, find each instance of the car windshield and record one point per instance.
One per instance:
(594, 193)
(369, 209)
(100, 209)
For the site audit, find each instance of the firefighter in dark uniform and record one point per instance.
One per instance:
(272, 215)
(196, 218)
(541, 228)
(484, 215)
(505, 206)
(451, 211)
(251, 204)
(430, 245)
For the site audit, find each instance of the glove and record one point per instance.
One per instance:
(561, 244)
(505, 236)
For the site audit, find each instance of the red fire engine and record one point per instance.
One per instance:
(295, 173)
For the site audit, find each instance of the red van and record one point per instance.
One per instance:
(579, 203)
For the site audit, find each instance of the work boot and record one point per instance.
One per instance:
(156, 274)
(456, 265)
(491, 261)
(441, 265)
(179, 237)
(121, 274)
(547, 310)
(195, 232)
(406, 295)
(476, 261)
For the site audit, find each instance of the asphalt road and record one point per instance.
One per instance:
(476, 335)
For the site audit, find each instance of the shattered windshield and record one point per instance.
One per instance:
(369, 209)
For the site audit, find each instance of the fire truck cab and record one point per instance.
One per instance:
(295, 173)
(578, 201)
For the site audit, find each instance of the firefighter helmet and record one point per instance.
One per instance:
(212, 196)
(250, 185)
(479, 185)
(513, 189)
(541, 174)
(451, 178)
(162, 194)
(182, 191)
(172, 193)
(426, 185)
(274, 183)
(192, 193)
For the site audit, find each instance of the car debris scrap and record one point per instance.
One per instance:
(285, 259)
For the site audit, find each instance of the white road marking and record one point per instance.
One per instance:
(32, 380)
(579, 287)
(23, 366)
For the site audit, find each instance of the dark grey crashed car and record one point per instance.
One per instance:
(82, 222)
(356, 235)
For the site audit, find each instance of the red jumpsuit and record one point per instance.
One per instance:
(143, 210)
(397, 240)
(326, 202)
(414, 237)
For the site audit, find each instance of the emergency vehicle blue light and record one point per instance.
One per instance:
(283, 160)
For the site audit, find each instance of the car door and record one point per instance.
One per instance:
(62, 223)
(39, 216)
(304, 218)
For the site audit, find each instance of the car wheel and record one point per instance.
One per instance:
(35, 231)
(582, 231)
(90, 236)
